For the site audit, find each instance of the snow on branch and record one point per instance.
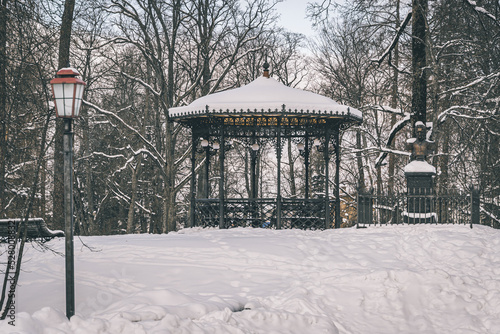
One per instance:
(453, 111)
(394, 41)
(489, 214)
(155, 153)
(183, 157)
(471, 84)
(482, 10)
(386, 109)
(146, 85)
(378, 149)
(125, 198)
(392, 134)
(150, 154)
(188, 177)
(127, 163)
(102, 154)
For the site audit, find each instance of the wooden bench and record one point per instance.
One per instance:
(36, 230)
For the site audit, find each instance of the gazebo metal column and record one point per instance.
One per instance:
(326, 154)
(253, 175)
(207, 171)
(221, 180)
(194, 144)
(306, 165)
(278, 192)
(337, 177)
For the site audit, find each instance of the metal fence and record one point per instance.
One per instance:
(295, 213)
(421, 207)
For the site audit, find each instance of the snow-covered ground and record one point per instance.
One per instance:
(399, 279)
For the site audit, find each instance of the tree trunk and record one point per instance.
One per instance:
(444, 140)
(89, 192)
(133, 197)
(419, 37)
(58, 194)
(359, 160)
(43, 202)
(394, 103)
(3, 101)
(169, 194)
(169, 191)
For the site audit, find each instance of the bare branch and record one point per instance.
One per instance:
(394, 41)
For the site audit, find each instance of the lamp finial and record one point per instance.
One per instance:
(266, 69)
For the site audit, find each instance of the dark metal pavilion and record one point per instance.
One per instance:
(266, 111)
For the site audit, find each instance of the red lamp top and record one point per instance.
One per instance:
(67, 75)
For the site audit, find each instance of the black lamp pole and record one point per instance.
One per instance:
(68, 216)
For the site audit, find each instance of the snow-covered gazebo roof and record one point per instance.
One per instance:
(265, 96)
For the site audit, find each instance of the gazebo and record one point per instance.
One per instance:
(265, 111)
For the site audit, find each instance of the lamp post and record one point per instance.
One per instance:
(68, 92)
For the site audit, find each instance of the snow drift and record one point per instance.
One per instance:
(394, 279)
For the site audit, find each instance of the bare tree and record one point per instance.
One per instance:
(3, 99)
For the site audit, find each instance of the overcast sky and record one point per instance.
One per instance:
(293, 16)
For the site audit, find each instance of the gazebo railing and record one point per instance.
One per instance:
(250, 213)
(263, 212)
(304, 213)
(207, 212)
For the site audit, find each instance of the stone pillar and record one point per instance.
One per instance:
(420, 193)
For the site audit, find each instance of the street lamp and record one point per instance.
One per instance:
(68, 92)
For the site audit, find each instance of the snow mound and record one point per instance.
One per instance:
(392, 279)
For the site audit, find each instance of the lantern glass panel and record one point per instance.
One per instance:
(58, 91)
(63, 93)
(78, 98)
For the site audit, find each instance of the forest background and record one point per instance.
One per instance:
(141, 57)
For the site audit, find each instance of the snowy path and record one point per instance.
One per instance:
(403, 279)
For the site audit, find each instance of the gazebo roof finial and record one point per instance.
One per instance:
(266, 69)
